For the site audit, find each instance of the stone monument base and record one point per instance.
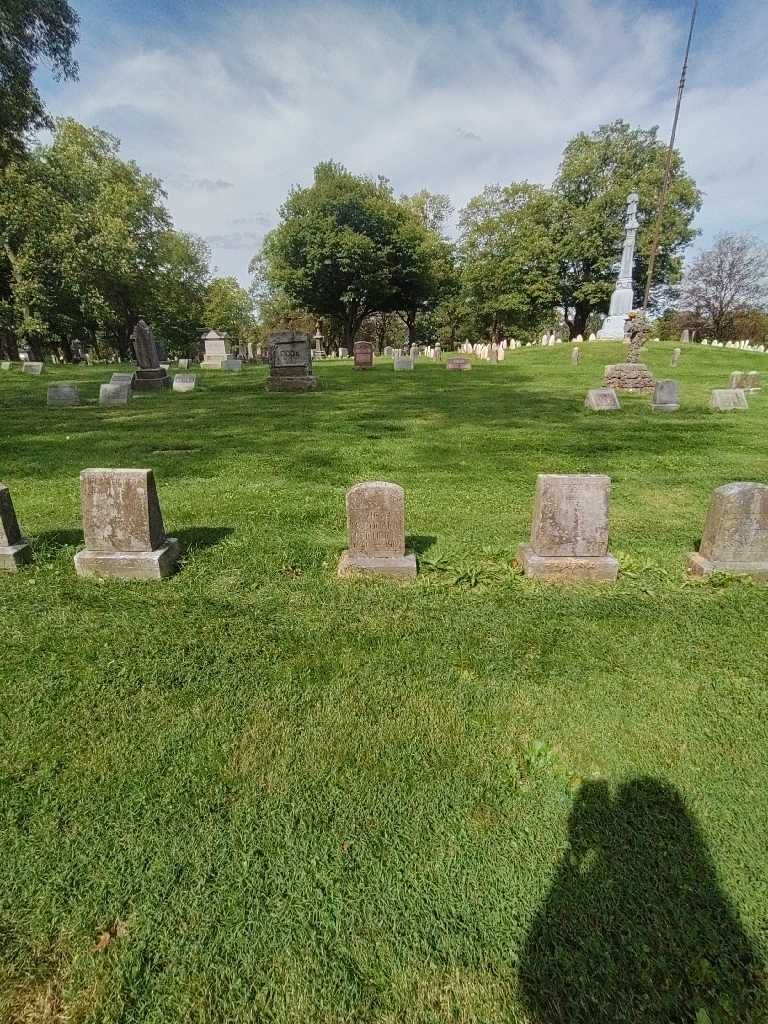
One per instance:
(403, 567)
(664, 407)
(14, 555)
(211, 364)
(129, 565)
(291, 384)
(151, 380)
(568, 568)
(613, 329)
(628, 377)
(698, 565)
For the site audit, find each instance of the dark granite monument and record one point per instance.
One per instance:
(290, 362)
(150, 375)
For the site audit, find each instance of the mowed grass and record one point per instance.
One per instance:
(257, 793)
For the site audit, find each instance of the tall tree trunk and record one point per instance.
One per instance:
(8, 346)
(578, 325)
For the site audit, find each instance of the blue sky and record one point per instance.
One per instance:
(232, 103)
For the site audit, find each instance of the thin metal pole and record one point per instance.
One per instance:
(668, 168)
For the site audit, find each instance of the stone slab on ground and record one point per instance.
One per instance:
(602, 400)
(728, 400)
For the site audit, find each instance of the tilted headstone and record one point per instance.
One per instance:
(402, 362)
(753, 381)
(602, 400)
(376, 532)
(15, 549)
(735, 536)
(150, 375)
(666, 396)
(569, 536)
(33, 368)
(458, 364)
(728, 399)
(124, 533)
(290, 367)
(114, 394)
(675, 357)
(184, 382)
(62, 395)
(126, 379)
(738, 379)
(576, 355)
(362, 352)
(232, 365)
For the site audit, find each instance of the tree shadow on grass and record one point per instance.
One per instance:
(198, 538)
(420, 544)
(635, 927)
(55, 540)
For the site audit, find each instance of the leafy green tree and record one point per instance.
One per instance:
(597, 173)
(344, 249)
(508, 258)
(229, 307)
(180, 291)
(31, 32)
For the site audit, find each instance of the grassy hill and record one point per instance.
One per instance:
(255, 792)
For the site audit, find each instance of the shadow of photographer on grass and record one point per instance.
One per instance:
(636, 928)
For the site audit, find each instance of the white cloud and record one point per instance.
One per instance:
(231, 121)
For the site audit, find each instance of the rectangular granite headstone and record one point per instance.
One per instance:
(362, 352)
(569, 535)
(666, 397)
(290, 367)
(184, 382)
(5, 365)
(728, 399)
(33, 368)
(376, 532)
(602, 400)
(62, 395)
(402, 362)
(123, 526)
(738, 379)
(14, 548)
(458, 363)
(232, 365)
(114, 394)
(735, 536)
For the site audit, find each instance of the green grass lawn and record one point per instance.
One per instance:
(257, 793)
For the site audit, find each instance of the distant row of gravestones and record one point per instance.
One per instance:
(125, 537)
(666, 396)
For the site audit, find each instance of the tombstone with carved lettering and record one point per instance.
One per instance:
(290, 365)
(376, 532)
(150, 375)
(735, 538)
(362, 352)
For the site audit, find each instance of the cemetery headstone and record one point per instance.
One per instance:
(402, 362)
(35, 369)
(362, 352)
(437, 354)
(15, 549)
(666, 397)
(458, 364)
(150, 375)
(493, 355)
(738, 379)
(114, 394)
(575, 355)
(685, 337)
(753, 381)
(602, 400)
(290, 367)
(124, 533)
(216, 350)
(232, 365)
(343, 352)
(376, 532)
(728, 400)
(569, 536)
(126, 379)
(676, 352)
(183, 364)
(5, 365)
(184, 382)
(389, 351)
(628, 377)
(735, 535)
(62, 395)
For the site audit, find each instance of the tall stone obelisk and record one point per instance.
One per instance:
(622, 299)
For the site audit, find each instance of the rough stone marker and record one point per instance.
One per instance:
(14, 549)
(63, 394)
(735, 535)
(728, 399)
(376, 532)
(124, 533)
(666, 396)
(569, 536)
(602, 400)
(184, 382)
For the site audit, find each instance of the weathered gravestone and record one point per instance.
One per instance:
(150, 375)
(35, 369)
(14, 549)
(576, 355)
(389, 351)
(232, 365)
(402, 362)
(459, 363)
(628, 377)
(437, 354)
(216, 350)
(738, 379)
(675, 357)
(123, 525)
(362, 352)
(602, 400)
(376, 532)
(343, 352)
(114, 394)
(736, 533)
(569, 536)
(124, 379)
(752, 382)
(184, 382)
(493, 355)
(62, 395)
(183, 364)
(666, 396)
(5, 365)
(290, 367)
(728, 399)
